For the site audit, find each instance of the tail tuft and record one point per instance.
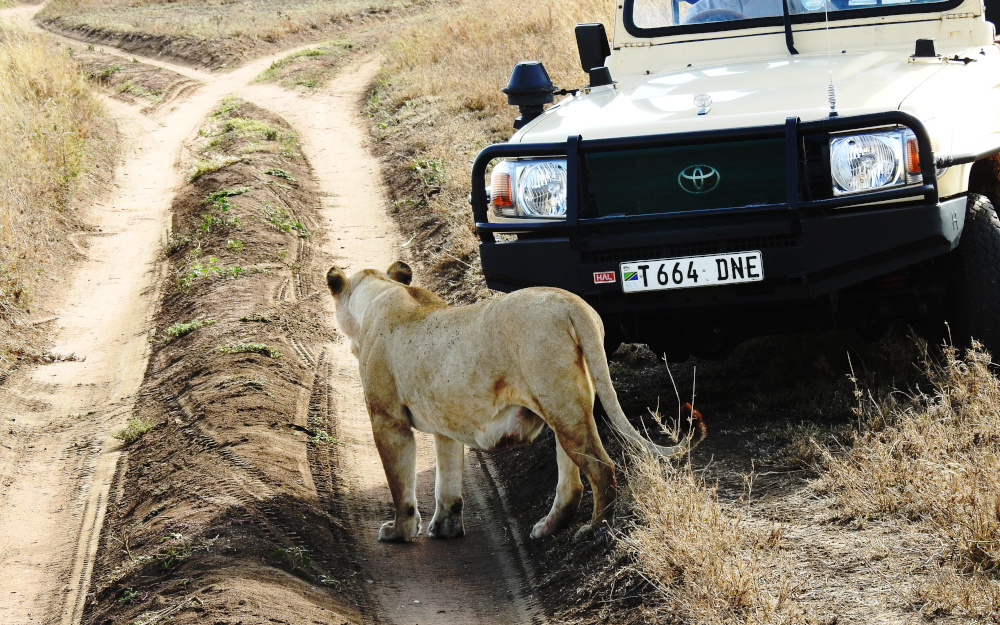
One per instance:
(696, 425)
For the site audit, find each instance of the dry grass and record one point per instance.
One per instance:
(51, 125)
(709, 563)
(210, 20)
(438, 102)
(931, 458)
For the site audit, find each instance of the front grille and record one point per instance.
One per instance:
(653, 252)
(687, 177)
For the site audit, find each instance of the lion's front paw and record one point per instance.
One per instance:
(446, 526)
(395, 532)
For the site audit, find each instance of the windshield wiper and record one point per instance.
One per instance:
(789, 42)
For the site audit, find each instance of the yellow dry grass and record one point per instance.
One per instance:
(438, 102)
(711, 564)
(267, 20)
(932, 459)
(50, 125)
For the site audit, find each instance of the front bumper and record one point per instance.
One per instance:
(810, 247)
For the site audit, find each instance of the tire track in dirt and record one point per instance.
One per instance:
(478, 579)
(56, 479)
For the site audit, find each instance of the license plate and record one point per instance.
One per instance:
(692, 271)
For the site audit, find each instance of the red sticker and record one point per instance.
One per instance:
(604, 277)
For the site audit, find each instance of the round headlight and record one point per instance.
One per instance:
(864, 162)
(541, 189)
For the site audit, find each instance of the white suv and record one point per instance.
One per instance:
(737, 168)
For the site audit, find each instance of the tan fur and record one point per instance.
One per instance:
(488, 376)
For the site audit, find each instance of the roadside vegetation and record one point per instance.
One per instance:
(211, 33)
(309, 68)
(435, 106)
(57, 146)
(929, 459)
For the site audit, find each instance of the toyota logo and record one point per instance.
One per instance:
(697, 179)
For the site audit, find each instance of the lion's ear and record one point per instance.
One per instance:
(336, 280)
(400, 272)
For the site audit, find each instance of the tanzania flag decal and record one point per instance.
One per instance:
(630, 276)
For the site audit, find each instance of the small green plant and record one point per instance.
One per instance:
(317, 433)
(281, 220)
(128, 595)
(222, 194)
(251, 348)
(183, 329)
(280, 173)
(110, 70)
(296, 556)
(234, 245)
(330, 582)
(198, 270)
(134, 430)
(431, 172)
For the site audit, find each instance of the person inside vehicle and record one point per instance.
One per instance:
(723, 10)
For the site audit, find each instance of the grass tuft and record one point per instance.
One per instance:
(134, 430)
(251, 348)
(709, 563)
(210, 165)
(178, 330)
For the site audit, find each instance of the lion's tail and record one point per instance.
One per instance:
(590, 333)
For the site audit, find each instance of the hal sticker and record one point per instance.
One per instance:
(604, 277)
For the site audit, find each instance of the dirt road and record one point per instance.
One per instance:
(57, 475)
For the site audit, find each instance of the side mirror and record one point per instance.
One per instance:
(592, 42)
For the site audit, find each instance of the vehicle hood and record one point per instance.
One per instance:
(749, 93)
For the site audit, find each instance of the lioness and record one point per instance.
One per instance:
(489, 375)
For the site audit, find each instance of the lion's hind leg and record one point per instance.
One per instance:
(447, 521)
(398, 450)
(569, 490)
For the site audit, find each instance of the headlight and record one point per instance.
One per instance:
(877, 160)
(529, 188)
(866, 162)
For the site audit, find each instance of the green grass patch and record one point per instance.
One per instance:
(280, 173)
(133, 430)
(281, 220)
(183, 329)
(251, 348)
(140, 91)
(307, 68)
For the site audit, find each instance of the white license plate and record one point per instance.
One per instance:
(691, 271)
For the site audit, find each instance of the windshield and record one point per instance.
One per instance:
(658, 14)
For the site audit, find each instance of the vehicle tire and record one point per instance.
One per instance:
(976, 304)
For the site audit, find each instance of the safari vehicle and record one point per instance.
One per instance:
(736, 168)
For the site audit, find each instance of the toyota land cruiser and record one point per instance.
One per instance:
(736, 168)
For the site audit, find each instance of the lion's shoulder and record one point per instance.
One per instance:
(425, 298)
